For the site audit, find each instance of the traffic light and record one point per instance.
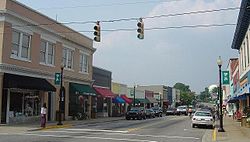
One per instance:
(97, 32)
(140, 29)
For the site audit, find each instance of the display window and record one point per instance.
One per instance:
(24, 104)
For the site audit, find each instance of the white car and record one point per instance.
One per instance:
(203, 118)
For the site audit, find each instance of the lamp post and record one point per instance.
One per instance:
(61, 100)
(219, 62)
(134, 95)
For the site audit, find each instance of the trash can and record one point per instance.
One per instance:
(243, 121)
(57, 116)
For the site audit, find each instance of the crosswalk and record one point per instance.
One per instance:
(105, 135)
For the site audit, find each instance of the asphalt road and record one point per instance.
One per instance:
(165, 129)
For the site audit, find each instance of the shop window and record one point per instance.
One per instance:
(24, 104)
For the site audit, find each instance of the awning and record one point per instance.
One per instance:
(138, 100)
(81, 89)
(118, 100)
(104, 92)
(26, 82)
(151, 100)
(233, 100)
(126, 99)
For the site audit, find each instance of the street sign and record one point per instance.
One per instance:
(225, 77)
(57, 78)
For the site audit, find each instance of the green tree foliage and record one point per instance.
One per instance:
(182, 87)
(187, 97)
(205, 96)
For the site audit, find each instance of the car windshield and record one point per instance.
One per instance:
(202, 114)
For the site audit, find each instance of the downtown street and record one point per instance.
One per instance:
(160, 129)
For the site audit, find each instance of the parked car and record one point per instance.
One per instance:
(158, 111)
(203, 118)
(171, 111)
(136, 113)
(150, 113)
(182, 110)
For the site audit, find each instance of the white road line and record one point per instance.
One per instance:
(96, 130)
(123, 134)
(86, 137)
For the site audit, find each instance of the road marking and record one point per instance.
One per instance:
(126, 134)
(87, 137)
(214, 135)
(95, 130)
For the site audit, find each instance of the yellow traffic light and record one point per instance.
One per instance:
(97, 32)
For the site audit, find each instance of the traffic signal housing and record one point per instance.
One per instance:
(97, 32)
(140, 29)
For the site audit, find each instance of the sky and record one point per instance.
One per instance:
(163, 57)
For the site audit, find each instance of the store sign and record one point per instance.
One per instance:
(57, 78)
(225, 77)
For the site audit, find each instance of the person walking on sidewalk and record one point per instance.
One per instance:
(43, 115)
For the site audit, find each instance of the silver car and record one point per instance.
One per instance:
(204, 118)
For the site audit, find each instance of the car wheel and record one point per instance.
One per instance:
(139, 118)
(193, 126)
(127, 118)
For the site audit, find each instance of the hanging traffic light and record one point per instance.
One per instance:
(97, 32)
(140, 29)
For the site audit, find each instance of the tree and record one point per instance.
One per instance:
(182, 87)
(186, 95)
(205, 96)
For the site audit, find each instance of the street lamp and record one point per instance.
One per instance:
(134, 95)
(62, 95)
(219, 62)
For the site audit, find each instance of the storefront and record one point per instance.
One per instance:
(82, 99)
(127, 100)
(151, 102)
(23, 97)
(104, 101)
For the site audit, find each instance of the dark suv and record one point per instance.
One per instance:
(136, 112)
(158, 111)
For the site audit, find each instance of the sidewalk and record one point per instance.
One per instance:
(19, 128)
(233, 132)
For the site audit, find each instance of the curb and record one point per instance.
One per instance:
(51, 127)
(71, 124)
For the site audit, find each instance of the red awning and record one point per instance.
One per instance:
(126, 99)
(104, 92)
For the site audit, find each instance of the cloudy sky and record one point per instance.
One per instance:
(165, 56)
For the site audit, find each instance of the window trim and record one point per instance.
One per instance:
(47, 53)
(20, 46)
(67, 57)
(88, 57)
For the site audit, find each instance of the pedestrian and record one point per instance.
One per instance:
(43, 115)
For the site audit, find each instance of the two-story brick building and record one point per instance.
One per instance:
(33, 47)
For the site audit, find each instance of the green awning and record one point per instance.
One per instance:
(81, 89)
(138, 100)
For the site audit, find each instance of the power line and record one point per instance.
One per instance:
(171, 27)
(107, 5)
(153, 28)
(134, 18)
